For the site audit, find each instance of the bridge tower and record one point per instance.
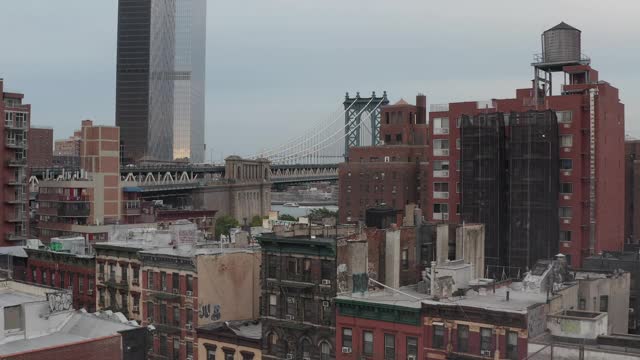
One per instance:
(356, 109)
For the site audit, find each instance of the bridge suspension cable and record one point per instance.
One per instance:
(312, 149)
(316, 129)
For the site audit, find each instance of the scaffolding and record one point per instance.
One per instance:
(483, 181)
(533, 167)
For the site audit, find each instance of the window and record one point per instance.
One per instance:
(347, 337)
(176, 348)
(441, 123)
(34, 275)
(438, 336)
(412, 347)
(441, 144)
(189, 349)
(292, 266)
(229, 354)
(404, 259)
(604, 303)
(564, 117)
(566, 188)
(458, 143)
(441, 187)
(163, 345)
(458, 165)
(101, 298)
(112, 272)
(176, 316)
(136, 276)
(325, 351)
(565, 235)
(565, 212)
(272, 269)
(367, 343)
(163, 280)
(512, 345)
(457, 209)
(440, 208)
(566, 164)
(124, 273)
(211, 354)
(163, 313)
(13, 318)
(150, 306)
(441, 165)
(327, 270)
(150, 280)
(463, 338)
(566, 140)
(273, 305)
(44, 277)
(398, 138)
(272, 341)
(246, 355)
(81, 284)
(189, 283)
(175, 281)
(306, 348)
(582, 304)
(458, 187)
(189, 316)
(292, 307)
(389, 347)
(485, 339)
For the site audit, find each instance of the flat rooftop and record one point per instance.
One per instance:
(192, 251)
(407, 296)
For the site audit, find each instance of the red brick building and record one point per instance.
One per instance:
(14, 212)
(591, 150)
(65, 270)
(40, 147)
(391, 173)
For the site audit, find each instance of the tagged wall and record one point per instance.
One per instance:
(231, 288)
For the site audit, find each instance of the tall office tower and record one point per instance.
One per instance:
(160, 79)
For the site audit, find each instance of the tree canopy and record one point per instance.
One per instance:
(224, 224)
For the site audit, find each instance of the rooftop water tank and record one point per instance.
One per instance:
(561, 44)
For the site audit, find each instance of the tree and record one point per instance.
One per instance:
(256, 221)
(224, 224)
(287, 217)
(319, 214)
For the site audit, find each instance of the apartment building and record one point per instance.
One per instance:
(14, 212)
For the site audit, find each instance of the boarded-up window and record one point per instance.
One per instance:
(13, 318)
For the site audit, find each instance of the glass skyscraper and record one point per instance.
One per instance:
(160, 79)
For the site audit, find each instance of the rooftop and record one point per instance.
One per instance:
(79, 326)
(409, 297)
(248, 329)
(193, 251)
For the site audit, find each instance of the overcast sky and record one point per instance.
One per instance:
(276, 66)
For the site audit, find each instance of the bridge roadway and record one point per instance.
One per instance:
(280, 174)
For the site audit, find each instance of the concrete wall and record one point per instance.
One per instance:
(470, 247)
(392, 258)
(616, 287)
(350, 260)
(577, 327)
(232, 282)
(442, 243)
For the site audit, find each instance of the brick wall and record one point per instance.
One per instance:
(105, 348)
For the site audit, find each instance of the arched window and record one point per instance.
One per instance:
(325, 350)
(305, 348)
(272, 341)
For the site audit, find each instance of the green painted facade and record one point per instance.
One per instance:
(379, 312)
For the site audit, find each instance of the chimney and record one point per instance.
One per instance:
(421, 105)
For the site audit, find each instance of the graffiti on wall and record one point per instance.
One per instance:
(210, 312)
(60, 301)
